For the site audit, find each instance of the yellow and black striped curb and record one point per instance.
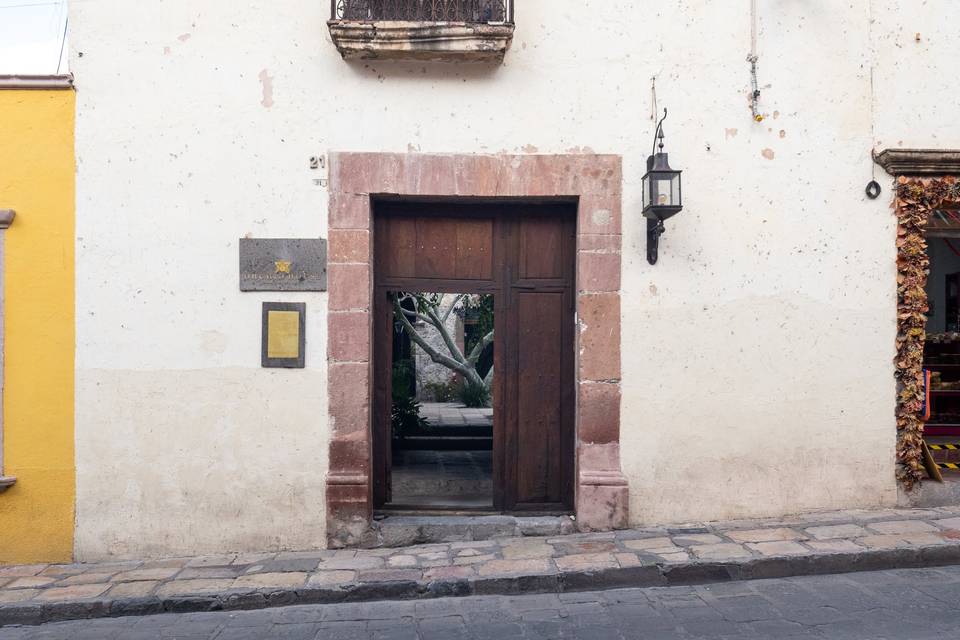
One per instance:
(949, 465)
(945, 446)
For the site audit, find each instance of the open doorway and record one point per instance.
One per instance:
(442, 405)
(463, 421)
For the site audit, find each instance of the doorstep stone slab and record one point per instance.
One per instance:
(400, 531)
(689, 554)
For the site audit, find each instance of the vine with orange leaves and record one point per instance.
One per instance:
(916, 200)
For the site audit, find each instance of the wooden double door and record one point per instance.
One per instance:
(524, 255)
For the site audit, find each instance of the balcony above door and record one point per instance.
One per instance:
(441, 30)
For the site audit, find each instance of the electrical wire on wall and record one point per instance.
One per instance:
(63, 43)
(753, 58)
(873, 189)
(653, 98)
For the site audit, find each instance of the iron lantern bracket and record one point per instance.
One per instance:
(655, 229)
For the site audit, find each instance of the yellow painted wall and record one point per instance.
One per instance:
(37, 180)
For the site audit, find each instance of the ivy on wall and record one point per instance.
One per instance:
(916, 199)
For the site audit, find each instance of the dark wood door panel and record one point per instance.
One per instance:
(541, 248)
(396, 246)
(436, 248)
(474, 254)
(539, 384)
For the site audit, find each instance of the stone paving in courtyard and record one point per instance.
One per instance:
(454, 414)
(814, 543)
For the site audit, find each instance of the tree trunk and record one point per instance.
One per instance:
(455, 361)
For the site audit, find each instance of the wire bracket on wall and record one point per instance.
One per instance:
(755, 90)
(753, 58)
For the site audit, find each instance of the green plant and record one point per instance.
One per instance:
(443, 391)
(404, 410)
(474, 395)
(405, 416)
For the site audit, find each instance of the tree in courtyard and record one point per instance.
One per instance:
(435, 309)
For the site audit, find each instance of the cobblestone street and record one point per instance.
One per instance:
(908, 604)
(823, 543)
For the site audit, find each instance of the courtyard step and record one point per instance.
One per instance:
(402, 531)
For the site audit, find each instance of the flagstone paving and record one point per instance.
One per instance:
(698, 553)
(914, 604)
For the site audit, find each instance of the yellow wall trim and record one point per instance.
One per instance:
(37, 171)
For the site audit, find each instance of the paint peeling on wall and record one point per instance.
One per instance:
(266, 84)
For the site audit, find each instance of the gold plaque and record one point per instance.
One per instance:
(283, 334)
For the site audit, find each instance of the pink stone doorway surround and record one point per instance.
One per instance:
(595, 182)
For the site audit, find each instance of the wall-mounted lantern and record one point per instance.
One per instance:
(662, 194)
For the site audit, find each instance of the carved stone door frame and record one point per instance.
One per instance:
(594, 182)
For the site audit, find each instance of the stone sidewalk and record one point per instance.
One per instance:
(819, 543)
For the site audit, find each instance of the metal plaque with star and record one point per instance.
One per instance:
(283, 264)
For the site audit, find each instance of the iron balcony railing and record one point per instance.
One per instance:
(473, 11)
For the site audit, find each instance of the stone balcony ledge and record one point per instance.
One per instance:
(436, 41)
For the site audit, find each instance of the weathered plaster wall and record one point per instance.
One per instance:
(917, 50)
(37, 180)
(757, 366)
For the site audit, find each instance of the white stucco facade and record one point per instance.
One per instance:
(757, 354)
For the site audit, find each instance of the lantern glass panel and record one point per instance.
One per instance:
(664, 191)
(661, 189)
